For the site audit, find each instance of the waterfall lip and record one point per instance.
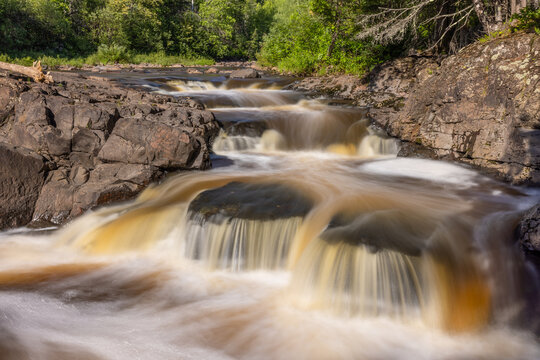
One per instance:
(381, 230)
(251, 201)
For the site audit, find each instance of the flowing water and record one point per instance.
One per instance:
(309, 239)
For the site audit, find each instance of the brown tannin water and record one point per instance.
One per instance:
(309, 239)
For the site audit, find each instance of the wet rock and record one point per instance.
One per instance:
(529, 230)
(22, 174)
(253, 128)
(382, 230)
(245, 74)
(250, 201)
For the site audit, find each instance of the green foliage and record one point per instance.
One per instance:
(311, 36)
(301, 36)
(73, 28)
(234, 29)
(495, 35)
(527, 20)
(110, 54)
(161, 58)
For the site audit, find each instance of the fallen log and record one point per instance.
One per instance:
(35, 71)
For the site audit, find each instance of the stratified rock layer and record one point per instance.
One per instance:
(481, 107)
(85, 142)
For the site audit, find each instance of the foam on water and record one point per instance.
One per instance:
(436, 171)
(154, 307)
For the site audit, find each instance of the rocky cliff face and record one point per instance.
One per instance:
(85, 142)
(480, 107)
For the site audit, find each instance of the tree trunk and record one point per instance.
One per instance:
(483, 15)
(35, 72)
(335, 35)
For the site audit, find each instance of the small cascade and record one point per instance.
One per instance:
(375, 144)
(231, 93)
(240, 244)
(355, 280)
(225, 143)
(192, 85)
(244, 226)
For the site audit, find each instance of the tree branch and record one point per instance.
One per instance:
(35, 72)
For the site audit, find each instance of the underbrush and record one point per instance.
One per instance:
(105, 55)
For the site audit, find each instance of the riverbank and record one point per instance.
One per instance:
(480, 107)
(121, 60)
(85, 141)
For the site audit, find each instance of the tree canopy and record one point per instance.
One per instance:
(294, 35)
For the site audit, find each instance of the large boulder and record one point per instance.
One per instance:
(22, 174)
(481, 107)
(68, 194)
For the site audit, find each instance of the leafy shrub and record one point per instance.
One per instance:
(110, 54)
(304, 39)
(528, 20)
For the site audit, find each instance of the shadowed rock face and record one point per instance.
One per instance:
(22, 174)
(96, 143)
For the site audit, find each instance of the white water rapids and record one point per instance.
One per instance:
(309, 239)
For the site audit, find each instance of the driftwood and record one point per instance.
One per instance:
(35, 72)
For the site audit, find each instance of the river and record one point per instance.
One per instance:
(309, 239)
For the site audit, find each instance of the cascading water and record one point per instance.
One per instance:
(314, 242)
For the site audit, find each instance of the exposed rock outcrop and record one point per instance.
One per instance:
(480, 107)
(85, 142)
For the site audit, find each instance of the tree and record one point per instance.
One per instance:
(390, 21)
(338, 15)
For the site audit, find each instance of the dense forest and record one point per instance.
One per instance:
(302, 36)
